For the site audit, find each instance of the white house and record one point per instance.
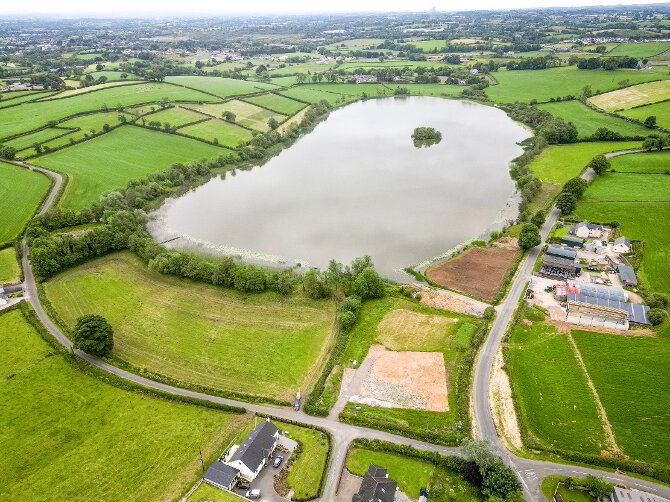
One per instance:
(622, 245)
(250, 457)
(585, 230)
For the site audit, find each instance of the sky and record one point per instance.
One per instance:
(194, 7)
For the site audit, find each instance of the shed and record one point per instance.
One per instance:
(564, 263)
(627, 275)
(562, 252)
(573, 242)
(222, 475)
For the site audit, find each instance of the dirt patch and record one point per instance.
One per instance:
(448, 300)
(507, 243)
(401, 328)
(349, 485)
(566, 327)
(478, 272)
(503, 405)
(416, 380)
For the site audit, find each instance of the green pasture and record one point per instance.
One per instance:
(311, 95)
(659, 110)
(109, 161)
(20, 192)
(83, 90)
(629, 186)
(78, 438)
(217, 130)
(9, 268)
(264, 344)
(220, 86)
(587, 120)
(209, 493)
(559, 163)
(174, 116)
(277, 103)
(646, 162)
(246, 114)
(27, 141)
(640, 50)
(430, 45)
(22, 98)
(112, 75)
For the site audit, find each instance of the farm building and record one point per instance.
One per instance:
(597, 247)
(627, 275)
(623, 494)
(622, 245)
(562, 252)
(571, 241)
(222, 475)
(636, 313)
(584, 229)
(562, 268)
(376, 486)
(250, 457)
(597, 291)
(595, 314)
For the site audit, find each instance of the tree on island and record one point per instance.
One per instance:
(94, 335)
(426, 136)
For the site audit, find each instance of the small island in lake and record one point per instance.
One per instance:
(426, 136)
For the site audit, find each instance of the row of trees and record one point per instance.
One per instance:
(552, 129)
(612, 63)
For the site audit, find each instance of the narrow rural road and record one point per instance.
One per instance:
(531, 472)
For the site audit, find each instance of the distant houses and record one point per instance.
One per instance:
(376, 486)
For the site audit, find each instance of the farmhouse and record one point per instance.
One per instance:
(585, 230)
(627, 275)
(222, 475)
(622, 245)
(376, 486)
(623, 494)
(250, 457)
(573, 242)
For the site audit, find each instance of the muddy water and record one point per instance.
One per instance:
(357, 185)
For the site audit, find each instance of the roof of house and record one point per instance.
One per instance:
(570, 238)
(221, 474)
(627, 274)
(621, 494)
(376, 486)
(257, 445)
(589, 225)
(622, 240)
(561, 252)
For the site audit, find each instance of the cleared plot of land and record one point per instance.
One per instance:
(558, 163)
(20, 193)
(175, 116)
(262, 344)
(246, 114)
(587, 120)
(220, 86)
(478, 272)
(640, 50)
(109, 161)
(659, 110)
(82, 90)
(9, 268)
(524, 85)
(401, 329)
(647, 162)
(629, 374)
(27, 141)
(636, 95)
(557, 408)
(112, 443)
(217, 130)
(277, 103)
(629, 186)
(30, 116)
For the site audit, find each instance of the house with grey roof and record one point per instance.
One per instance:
(627, 275)
(621, 245)
(251, 456)
(625, 495)
(222, 475)
(585, 229)
(376, 486)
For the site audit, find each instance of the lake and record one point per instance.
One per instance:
(357, 185)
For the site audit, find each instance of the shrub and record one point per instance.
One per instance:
(656, 316)
(529, 237)
(94, 335)
(657, 300)
(369, 284)
(489, 313)
(346, 320)
(599, 164)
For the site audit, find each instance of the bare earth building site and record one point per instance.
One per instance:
(363, 255)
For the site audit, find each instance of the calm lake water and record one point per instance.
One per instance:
(357, 185)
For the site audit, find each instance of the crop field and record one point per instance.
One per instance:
(637, 95)
(220, 86)
(109, 161)
(175, 116)
(413, 474)
(646, 162)
(634, 391)
(217, 130)
(558, 163)
(587, 120)
(659, 110)
(9, 268)
(246, 114)
(20, 192)
(639, 50)
(30, 116)
(207, 335)
(27, 141)
(83, 90)
(277, 103)
(628, 186)
(113, 444)
(524, 85)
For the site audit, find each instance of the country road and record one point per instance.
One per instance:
(531, 472)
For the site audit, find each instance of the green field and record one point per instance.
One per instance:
(262, 344)
(217, 130)
(175, 116)
(27, 141)
(413, 474)
(629, 186)
(83, 90)
(20, 192)
(630, 97)
(659, 110)
(634, 391)
(640, 50)
(112, 75)
(29, 96)
(311, 95)
(587, 121)
(246, 114)
(9, 268)
(78, 438)
(524, 85)
(559, 163)
(209, 493)
(647, 162)
(109, 161)
(277, 103)
(550, 483)
(30, 116)
(220, 86)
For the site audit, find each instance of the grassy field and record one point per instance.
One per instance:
(217, 130)
(20, 192)
(78, 438)
(262, 344)
(82, 90)
(640, 50)
(629, 186)
(313, 95)
(659, 110)
(9, 268)
(30, 116)
(220, 86)
(246, 114)
(550, 483)
(559, 163)
(633, 391)
(175, 116)
(587, 121)
(524, 85)
(277, 103)
(413, 474)
(109, 161)
(209, 493)
(647, 162)
(22, 99)
(27, 141)
(637, 95)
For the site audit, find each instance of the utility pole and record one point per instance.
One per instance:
(202, 464)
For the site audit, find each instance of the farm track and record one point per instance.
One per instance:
(531, 472)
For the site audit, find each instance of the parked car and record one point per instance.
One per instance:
(253, 494)
(278, 460)
(296, 407)
(243, 485)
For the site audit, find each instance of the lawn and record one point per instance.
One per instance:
(630, 97)
(20, 192)
(524, 85)
(263, 344)
(209, 493)
(78, 438)
(9, 268)
(27, 141)
(550, 483)
(217, 130)
(558, 163)
(277, 103)
(109, 161)
(30, 116)
(246, 114)
(629, 186)
(659, 110)
(647, 162)
(413, 474)
(634, 390)
(587, 120)
(639, 50)
(220, 86)
(174, 116)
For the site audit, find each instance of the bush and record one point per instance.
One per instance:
(656, 316)
(346, 320)
(599, 164)
(657, 301)
(529, 237)
(369, 284)
(489, 313)
(94, 335)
